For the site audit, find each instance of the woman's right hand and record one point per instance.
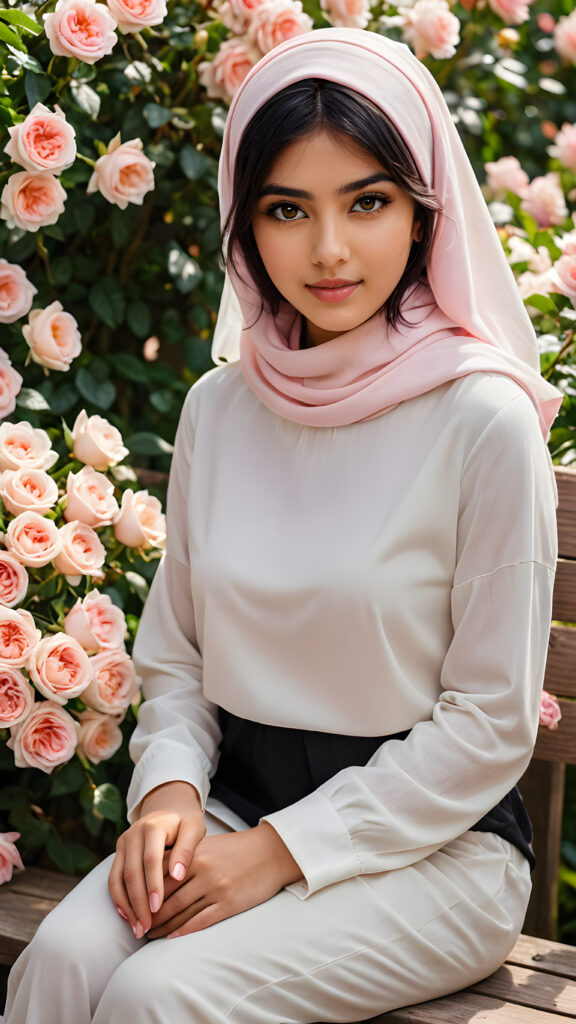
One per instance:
(170, 816)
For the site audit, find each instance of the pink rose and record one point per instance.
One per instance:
(96, 622)
(31, 200)
(133, 15)
(45, 739)
(565, 37)
(114, 682)
(277, 21)
(100, 736)
(564, 148)
(568, 244)
(223, 76)
(544, 200)
(28, 490)
(430, 27)
(140, 523)
(545, 21)
(237, 14)
(530, 283)
(506, 173)
(16, 697)
(9, 856)
(124, 174)
(32, 539)
(19, 637)
(90, 498)
(10, 384)
(82, 553)
(43, 141)
(82, 29)
(97, 442)
(60, 668)
(513, 12)
(22, 445)
(53, 337)
(13, 580)
(564, 276)
(347, 13)
(550, 713)
(16, 292)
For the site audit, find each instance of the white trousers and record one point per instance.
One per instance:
(350, 951)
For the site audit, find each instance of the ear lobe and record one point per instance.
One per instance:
(417, 232)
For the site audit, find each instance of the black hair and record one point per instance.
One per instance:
(294, 113)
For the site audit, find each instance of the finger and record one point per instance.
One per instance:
(117, 888)
(177, 921)
(135, 883)
(189, 835)
(184, 897)
(210, 915)
(153, 858)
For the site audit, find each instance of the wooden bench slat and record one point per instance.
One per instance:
(530, 988)
(468, 1008)
(39, 882)
(544, 955)
(559, 744)
(566, 481)
(560, 676)
(564, 602)
(20, 917)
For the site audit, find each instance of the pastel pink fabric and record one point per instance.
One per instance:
(468, 318)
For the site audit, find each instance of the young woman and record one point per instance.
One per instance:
(343, 648)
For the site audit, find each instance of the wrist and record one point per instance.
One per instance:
(163, 797)
(287, 868)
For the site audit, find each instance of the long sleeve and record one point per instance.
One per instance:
(416, 795)
(177, 735)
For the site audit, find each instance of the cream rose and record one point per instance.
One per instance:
(124, 174)
(133, 15)
(97, 442)
(90, 498)
(431, 28)
(22, 445)
(565, 37)
(13, 580)
(564, 148)
(544, 200)
(10, 384)
(45, 739)
(16, 292)
(223, 76)
(564, 276)
(237, 14)
(32, 200)
(43, 141)
(513, 12)
(16, 697)
(28, 490)
(507, 174)
(347, 13)
(276, 22)
(81, 553)
(96, 622)
(82, 29)
(114, 682)
(9, 856)
(19, 637)
(60, 668)
(100, 736)
(33, 540)
(141, 522)
(53, 337)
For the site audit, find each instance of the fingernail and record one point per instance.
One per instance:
(154, 902)
(178, 872)
(138, 930)
(121, 912)
(173, 935)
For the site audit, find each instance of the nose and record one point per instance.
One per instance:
(329, 246)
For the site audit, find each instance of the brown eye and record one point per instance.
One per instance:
(370, 204)
(287, 211)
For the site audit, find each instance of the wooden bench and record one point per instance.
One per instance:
(537, 984)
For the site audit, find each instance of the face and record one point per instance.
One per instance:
(334, 232)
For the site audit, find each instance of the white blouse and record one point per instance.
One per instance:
(366, 579)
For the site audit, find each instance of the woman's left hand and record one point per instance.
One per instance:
(228, 874)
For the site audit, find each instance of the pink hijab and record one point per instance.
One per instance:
(469, 317)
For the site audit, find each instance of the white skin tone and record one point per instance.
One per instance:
(335, 246)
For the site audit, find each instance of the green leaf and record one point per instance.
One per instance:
(34, 831)
(10, 37)
(86, 98)
(138, 584)
(183, 269)
(164, 401)
(107, 301)
(108, 802)
(147, 443)
(69, 856)
(139, 319)
(12, 796)
(23, 59)
(27, 398)
(62, 270)
(122, 225)
(193, 163)
(100, 393)
(63, 398)
(541, 302)
(156, 115)
(18, 18)
(129, 367)
(68, 779)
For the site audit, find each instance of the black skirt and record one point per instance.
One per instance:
(264, 768)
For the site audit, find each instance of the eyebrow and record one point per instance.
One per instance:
(297, 193)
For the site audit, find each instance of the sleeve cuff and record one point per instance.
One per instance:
(319, 842)
(166, 764)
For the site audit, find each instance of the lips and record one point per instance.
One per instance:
(333, 289)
